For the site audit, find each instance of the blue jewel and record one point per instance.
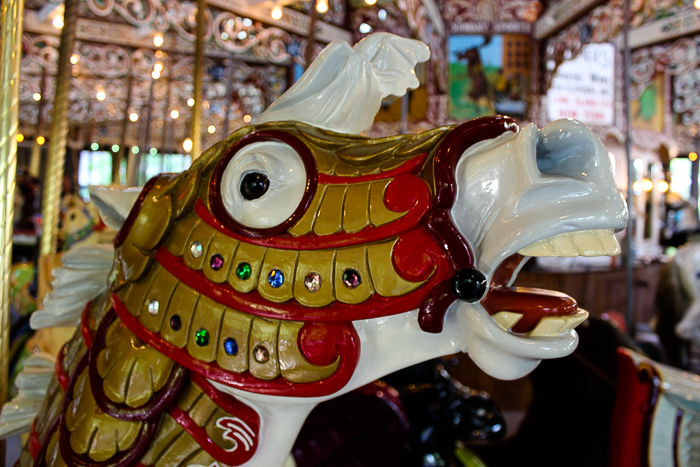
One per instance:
(275, 278)
(230, 346)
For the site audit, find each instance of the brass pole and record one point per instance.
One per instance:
(35, 161)
(10, 52)
(629, 254)
(229, 80)
(309, 52)
(168, 98)
(119, 156)
(198, 79)
(59, 129)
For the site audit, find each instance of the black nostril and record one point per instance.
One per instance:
(469, 285)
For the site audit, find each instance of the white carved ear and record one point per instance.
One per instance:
(343, 88)
(114, 203)
(394, 59)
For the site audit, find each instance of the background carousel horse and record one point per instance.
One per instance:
(296, 261)
(678, 302)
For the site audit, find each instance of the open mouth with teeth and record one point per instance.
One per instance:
(536, 312)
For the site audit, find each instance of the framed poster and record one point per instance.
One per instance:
(489, 74)
(583, 88)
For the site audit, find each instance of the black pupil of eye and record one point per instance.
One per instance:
(254, 185)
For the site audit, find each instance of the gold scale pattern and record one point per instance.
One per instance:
(100, 437)
(196, 312)
(347, 208)
(373, 262)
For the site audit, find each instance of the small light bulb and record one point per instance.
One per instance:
(322, 6)
(647, 185)
(155, 74)
(101, 95)
(57, 22)
(94, 146)
(187, 145)
(242, 35)
(697, 4)
(277, 12)
(115, 148)
(693, 156)
(133, 116)
(174, 114)
(158, 40)
(37, 96)
(40, 140)
(370, 2)
(158, 67)
(153, 151)
(247, 118)
(211, 129)
(20, 137)
(74, 59)
(135, 149)
(365, 28)
(190, 101)
(662, 186)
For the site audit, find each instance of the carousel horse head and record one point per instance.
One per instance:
(81, 223)
(296, 261)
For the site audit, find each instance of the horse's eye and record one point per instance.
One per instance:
(254, 185)
(263, 184)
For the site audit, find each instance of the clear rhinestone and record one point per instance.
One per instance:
(261, 354)
(153, 306)
(312, 281)
(196, 250)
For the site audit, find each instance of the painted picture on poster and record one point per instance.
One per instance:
(648, 103)
(583, 88)
(489, 74)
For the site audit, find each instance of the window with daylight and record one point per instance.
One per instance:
(154, 164)
(94, 168)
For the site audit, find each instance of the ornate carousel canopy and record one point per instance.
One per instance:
(133, 66)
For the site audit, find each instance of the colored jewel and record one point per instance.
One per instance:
(153, 306)
(243, 271)
(275, 278)
(216, 262)
(175, 322)
(312, 281)
(201, 337)
(351, 279)
(261, 354)
(196, 250)
(230, 346)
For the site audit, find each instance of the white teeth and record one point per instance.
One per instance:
(507, 319)
(553, 325)
(600, 242)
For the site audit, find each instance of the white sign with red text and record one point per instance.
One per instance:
(583, 88)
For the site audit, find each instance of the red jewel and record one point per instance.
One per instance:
(351, 279)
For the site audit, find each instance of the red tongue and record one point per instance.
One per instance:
(533, 304)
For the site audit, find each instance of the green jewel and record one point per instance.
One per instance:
(201, 337)
(243, 271)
